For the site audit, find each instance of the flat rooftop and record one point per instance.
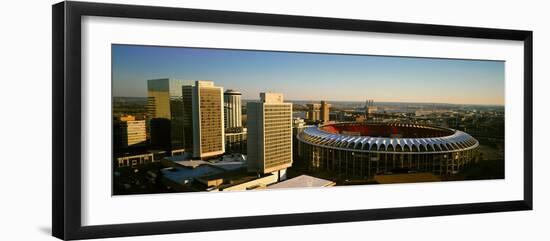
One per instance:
(229, 162)
(302, 181)
(184, 175)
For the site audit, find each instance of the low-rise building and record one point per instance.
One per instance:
(185, 173)
(128, 132)
(134, 160)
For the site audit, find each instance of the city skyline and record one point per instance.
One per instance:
(220, 120)
(386, 79)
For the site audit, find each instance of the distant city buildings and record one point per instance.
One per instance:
(368, 105)
(129, 132)
(313, 112)
(324, 113)
(207, 119)
(318, 112)
(164, 101)
(232, 109)
(269, 146)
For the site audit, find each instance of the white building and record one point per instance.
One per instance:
(269, 135)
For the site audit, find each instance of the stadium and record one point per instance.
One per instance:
(361, 150)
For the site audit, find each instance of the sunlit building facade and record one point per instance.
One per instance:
(129, 132)
(269, 146)
(324, 112)
(318, 112)
(207, 119)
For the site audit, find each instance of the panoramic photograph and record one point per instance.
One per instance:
(187, 119)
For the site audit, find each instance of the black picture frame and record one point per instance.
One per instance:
(66, 75)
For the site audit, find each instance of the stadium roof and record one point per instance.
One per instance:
(455, 141)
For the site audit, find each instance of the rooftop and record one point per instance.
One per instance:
(229, 162)
(386, 130)
(303, 181)
(270, 97)
(232, 92)
(183, 175)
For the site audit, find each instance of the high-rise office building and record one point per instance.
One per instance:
(269, 146)
(232, 109)
(206, 118)
(165, 102)
(324, 115)
(128, 132)
(187, 99)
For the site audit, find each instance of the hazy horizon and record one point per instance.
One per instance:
(346, 101)
(313, 76)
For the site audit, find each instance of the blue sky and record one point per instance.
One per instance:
(308, 76)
